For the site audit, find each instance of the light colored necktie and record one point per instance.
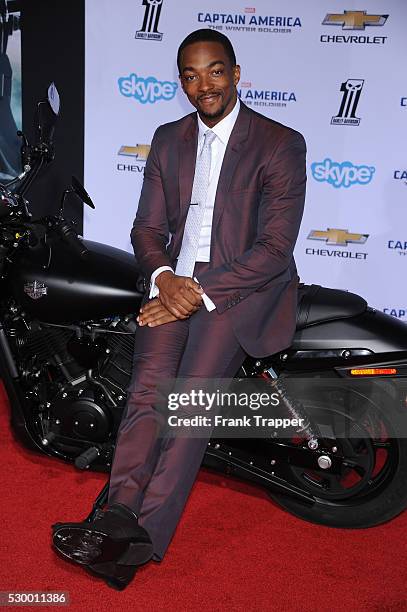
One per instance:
(192, 231)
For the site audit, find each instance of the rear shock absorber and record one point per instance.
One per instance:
(294, 408)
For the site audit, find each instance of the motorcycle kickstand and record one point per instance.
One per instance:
(99, 502)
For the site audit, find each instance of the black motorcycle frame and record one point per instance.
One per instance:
(67, 324)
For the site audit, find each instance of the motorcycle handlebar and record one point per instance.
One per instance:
(69, 236)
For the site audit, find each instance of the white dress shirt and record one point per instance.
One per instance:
(223, 130)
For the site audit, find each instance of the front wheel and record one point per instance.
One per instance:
(371, 487)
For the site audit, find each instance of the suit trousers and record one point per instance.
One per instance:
(151, 473)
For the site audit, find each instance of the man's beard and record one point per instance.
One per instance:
(214, 114)
(217, 113)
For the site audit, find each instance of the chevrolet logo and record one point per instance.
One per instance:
(354, 20)
(140, 151)
(340, 237)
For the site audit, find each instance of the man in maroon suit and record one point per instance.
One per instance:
(217, 221)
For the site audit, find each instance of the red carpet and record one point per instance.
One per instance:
(279, 563)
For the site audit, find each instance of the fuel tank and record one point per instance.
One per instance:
(54, 285)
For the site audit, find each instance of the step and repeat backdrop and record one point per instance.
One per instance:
(332, 72)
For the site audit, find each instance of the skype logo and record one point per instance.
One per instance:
(343, 174)
(146, 90)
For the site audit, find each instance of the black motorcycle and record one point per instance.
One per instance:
(68, 311)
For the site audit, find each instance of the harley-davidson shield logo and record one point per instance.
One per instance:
(35, 289)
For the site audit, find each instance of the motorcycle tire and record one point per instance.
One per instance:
(379, 411)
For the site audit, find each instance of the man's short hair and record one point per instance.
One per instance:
(207, 35)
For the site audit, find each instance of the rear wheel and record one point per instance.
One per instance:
(370, 425)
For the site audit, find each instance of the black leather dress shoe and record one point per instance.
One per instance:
(116, 576)
(113, 536)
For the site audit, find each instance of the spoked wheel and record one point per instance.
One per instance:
(371, 486)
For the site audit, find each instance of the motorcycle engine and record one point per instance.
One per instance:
(74, 378)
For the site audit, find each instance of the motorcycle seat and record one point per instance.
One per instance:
(318, 304)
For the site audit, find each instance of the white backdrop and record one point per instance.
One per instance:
(302, 63)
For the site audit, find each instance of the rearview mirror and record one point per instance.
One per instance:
(53, 98)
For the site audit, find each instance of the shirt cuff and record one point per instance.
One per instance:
(206, 299)
(154, 291)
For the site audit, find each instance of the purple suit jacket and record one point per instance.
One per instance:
(257, 214)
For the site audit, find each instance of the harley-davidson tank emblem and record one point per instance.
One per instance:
(35, 289)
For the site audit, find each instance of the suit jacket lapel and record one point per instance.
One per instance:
(231, 159)
(186, 166)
